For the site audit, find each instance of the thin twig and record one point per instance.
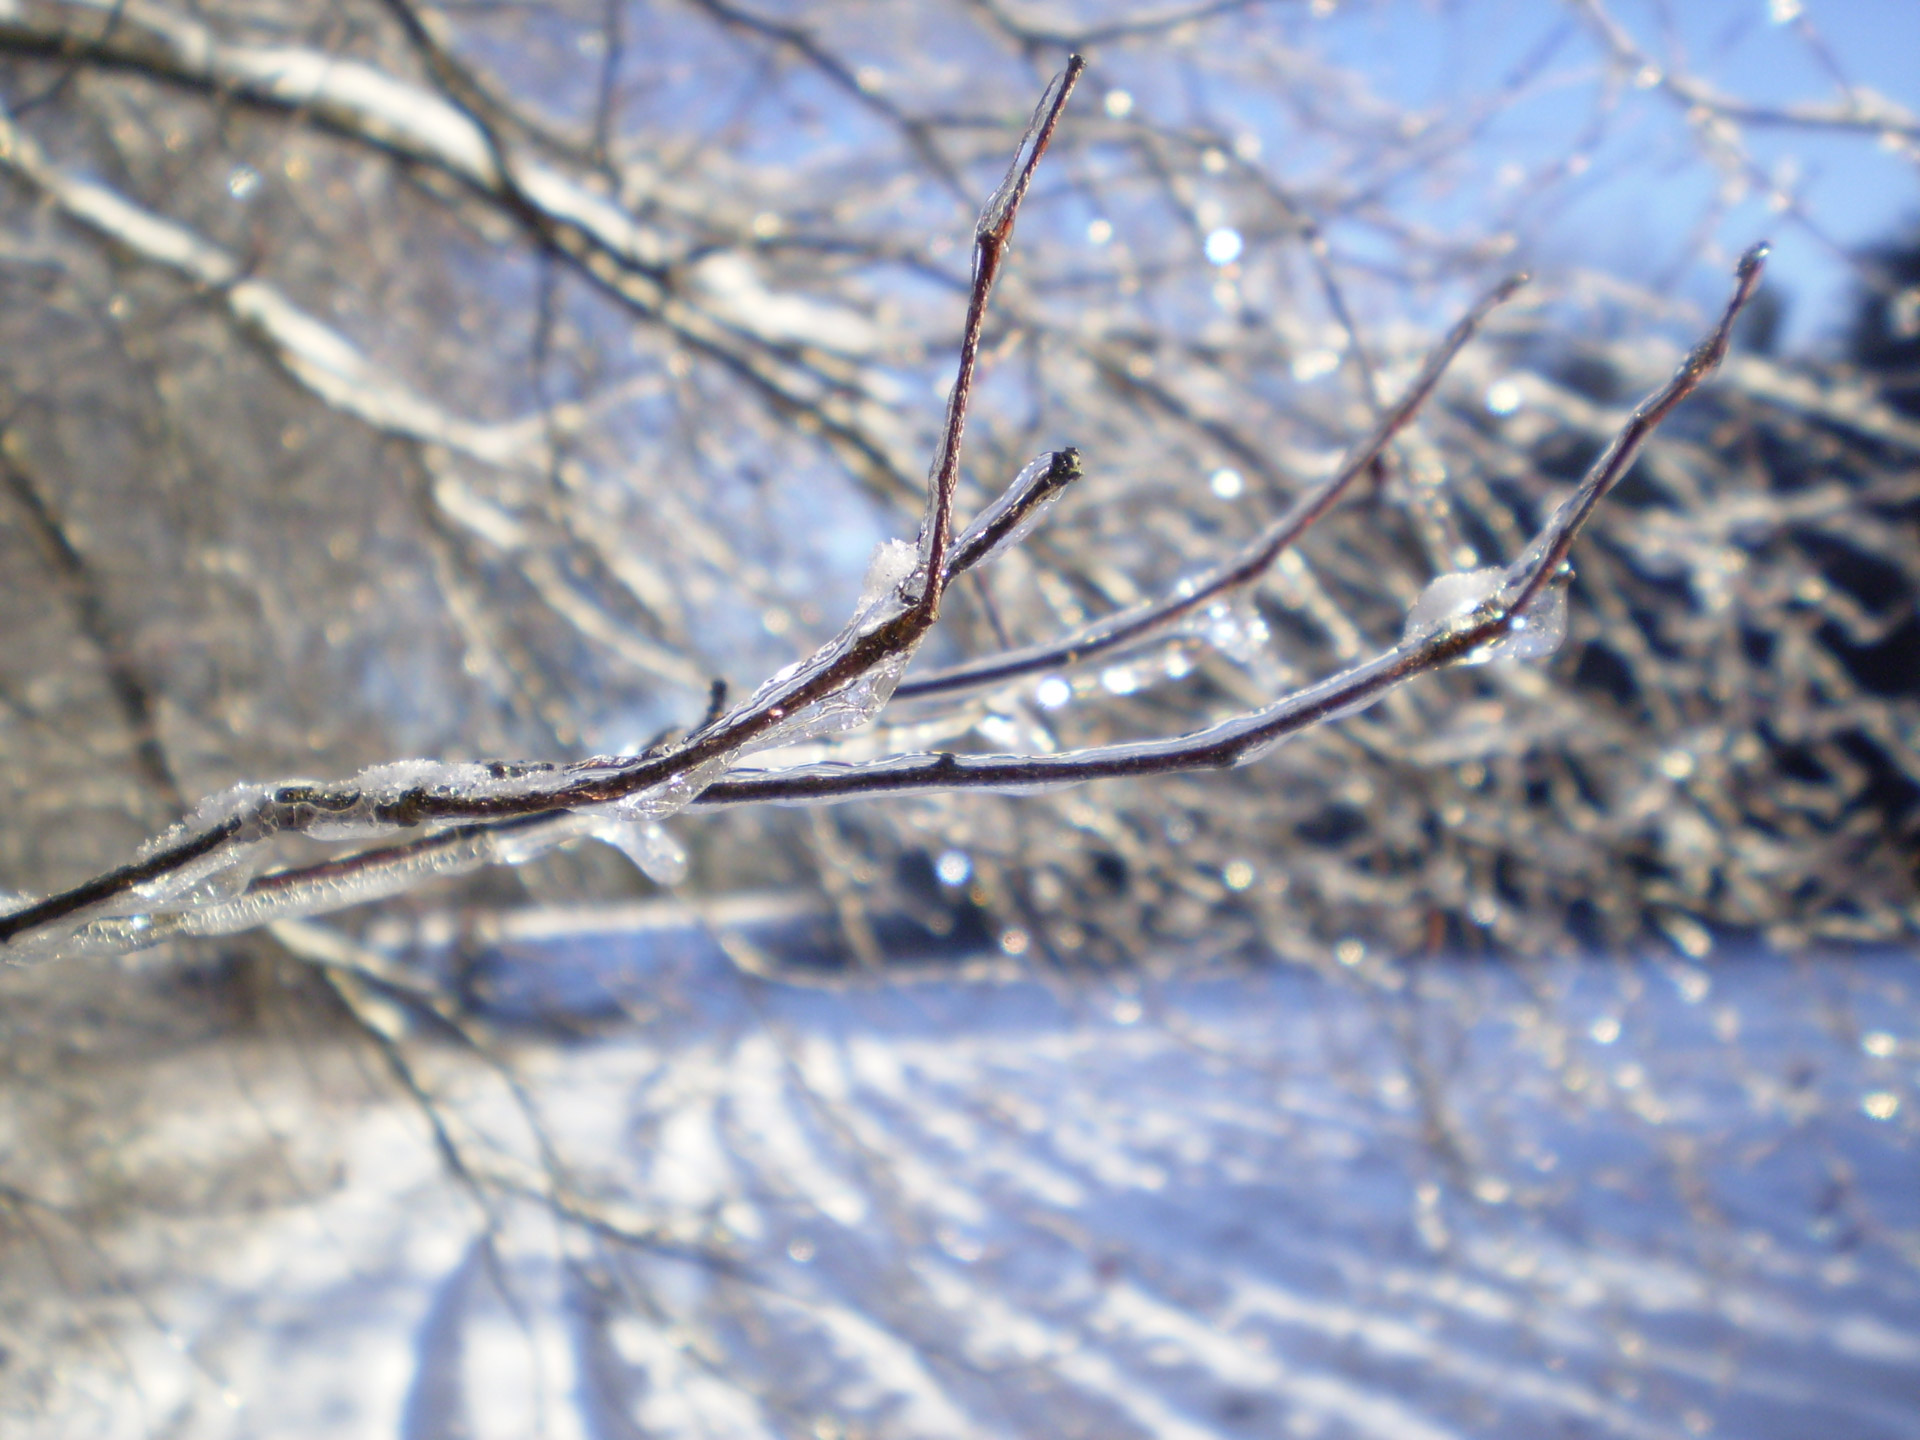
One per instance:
(1242, 569)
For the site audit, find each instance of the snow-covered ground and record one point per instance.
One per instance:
(1625, 1198)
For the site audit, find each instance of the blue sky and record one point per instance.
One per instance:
(1646, 200)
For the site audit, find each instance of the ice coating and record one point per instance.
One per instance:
(322, 892)
(1538, 632)
(112, 936)
(1456, 597)
(978, 544)
(1451, 596)
(221, 892)
(846, 709)
(218, 875)
(851, 706)
(234, 801)
(669, 797)
(214, 883)
(351, 809)
(893, 561)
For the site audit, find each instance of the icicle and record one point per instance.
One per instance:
(649, 845)
(517, 844)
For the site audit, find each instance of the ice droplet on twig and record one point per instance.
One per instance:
(1455, 598)
(1451, 597)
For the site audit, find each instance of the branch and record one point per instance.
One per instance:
(991, 237)
(1242, 569)
(1863, 111)
(1470, 635)
(123, 677)
(840, 686)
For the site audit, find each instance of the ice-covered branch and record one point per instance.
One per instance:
(1470, 617)
(458, 816)
(208, 860)
(1236, 572)
(992, 235)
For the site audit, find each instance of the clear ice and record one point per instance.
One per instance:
(1455, 597)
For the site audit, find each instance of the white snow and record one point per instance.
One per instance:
(1007, 1208)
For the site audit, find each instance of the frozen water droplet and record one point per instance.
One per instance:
(1538, 633)
(1451, 597)
(1455, 600)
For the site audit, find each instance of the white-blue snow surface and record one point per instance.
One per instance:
(1637, 1198)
